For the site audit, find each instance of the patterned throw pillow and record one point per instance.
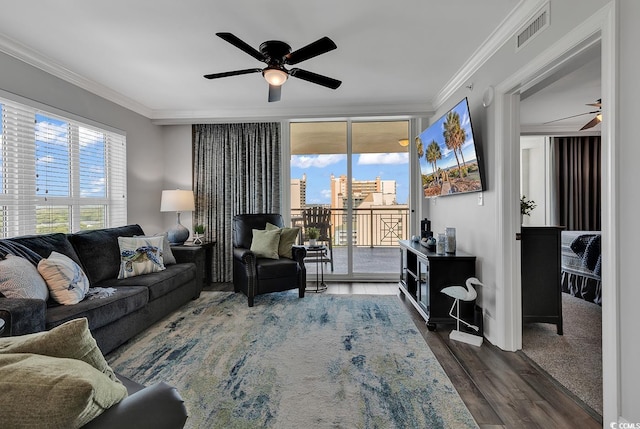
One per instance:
(20, 279)
(67, 283)
(288, 237)
(140, 255)
(265, 243)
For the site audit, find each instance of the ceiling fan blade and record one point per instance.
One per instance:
(315, 78)
(274, 93)
(231, 73)
(596, 104)
(235, 41)
(572, 116)
(592, 123)
(314, 49)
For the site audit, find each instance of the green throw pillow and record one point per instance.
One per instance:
(288, 237)
(43, 391)
(70, 340)
(265, 243)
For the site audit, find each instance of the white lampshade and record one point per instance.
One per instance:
(274, 76)
(177, 201)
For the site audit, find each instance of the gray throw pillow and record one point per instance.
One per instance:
(20, 279)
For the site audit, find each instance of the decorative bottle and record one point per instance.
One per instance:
(450, 243)
(440, 244)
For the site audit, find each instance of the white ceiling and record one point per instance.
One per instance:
(150, 56)
(564, 94)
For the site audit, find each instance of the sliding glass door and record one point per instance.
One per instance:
(358, 171)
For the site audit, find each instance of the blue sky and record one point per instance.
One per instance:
(52, 158)
(366, 166)
(434, 132)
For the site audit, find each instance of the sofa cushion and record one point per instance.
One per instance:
(71, 340)
(100, 311)
(43, 391)
(65, 279)
(20, 279)
(160, 283)
(272, 268)
(43, 245)
(99, 252)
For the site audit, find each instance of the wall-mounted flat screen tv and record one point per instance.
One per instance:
(449, 163)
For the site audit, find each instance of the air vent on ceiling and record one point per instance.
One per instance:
(533, 27)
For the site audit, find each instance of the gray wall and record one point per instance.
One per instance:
(145, 158)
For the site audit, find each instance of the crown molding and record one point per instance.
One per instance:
(177, 117)
(501, 35)
(36, 59)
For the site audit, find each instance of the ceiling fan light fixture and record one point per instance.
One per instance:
(403, 142)
(275, 76)
(599, 116)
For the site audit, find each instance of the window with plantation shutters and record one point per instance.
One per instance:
(58, 175)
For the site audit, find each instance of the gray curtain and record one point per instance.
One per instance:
(577, 182)
(236, 169)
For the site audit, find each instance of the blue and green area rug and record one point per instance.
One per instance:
(324, 361)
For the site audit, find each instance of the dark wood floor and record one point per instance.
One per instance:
(501, 389)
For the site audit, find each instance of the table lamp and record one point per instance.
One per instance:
(177, 201)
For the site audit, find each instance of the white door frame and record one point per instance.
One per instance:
(506, 123)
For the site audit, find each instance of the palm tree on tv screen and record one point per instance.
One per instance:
(454, 137)
(420, 147)
(433, 154)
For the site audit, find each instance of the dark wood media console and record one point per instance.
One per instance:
(423, 274)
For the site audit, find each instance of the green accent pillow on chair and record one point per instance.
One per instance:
(288, 237)
(265, 243)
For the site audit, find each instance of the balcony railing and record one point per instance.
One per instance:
(371, 227)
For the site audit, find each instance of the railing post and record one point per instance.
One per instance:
(371, 227)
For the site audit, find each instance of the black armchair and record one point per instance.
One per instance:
(256, 276)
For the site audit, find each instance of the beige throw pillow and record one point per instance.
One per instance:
(288, 237)
(72, 340)
(66, 281)
(39, 391)
(265, 243)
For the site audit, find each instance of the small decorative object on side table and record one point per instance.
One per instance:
(198, 230)
(313, 234)
(318, 255)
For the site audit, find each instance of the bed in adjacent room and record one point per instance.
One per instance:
(581, 265)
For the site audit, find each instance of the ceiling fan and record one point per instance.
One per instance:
(276, 55)
(593, 122)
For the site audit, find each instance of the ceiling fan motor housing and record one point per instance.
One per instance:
(275, 51)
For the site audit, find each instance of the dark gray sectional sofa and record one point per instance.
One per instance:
(137, 303)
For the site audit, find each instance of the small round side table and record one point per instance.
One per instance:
(317, 254)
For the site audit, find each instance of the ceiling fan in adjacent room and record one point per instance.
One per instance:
(593, 122)
(276, 55)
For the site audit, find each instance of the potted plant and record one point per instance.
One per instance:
(313, 234)
(198, 230)
(526, 207)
